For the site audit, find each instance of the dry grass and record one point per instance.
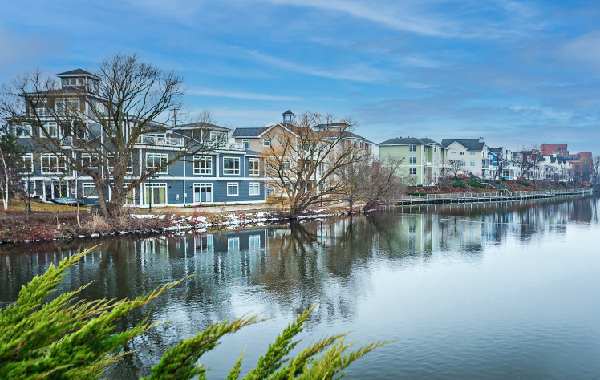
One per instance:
(36, 206)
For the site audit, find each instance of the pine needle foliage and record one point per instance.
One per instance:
(48, 336)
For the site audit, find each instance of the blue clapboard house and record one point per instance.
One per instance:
(231, 174)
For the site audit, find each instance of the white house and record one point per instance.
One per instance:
(471, 153)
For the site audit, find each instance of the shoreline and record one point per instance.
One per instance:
(173, 222)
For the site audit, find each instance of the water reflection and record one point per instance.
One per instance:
(278, 270)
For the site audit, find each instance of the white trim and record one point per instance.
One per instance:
(199, 158)
(200, 185)
(257, 160)
(237, 186)
(155, 184)
(84, 185)
(239, 166)
(161, 157)
(250, 184)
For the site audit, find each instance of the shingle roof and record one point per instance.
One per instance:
(409, 141)
(469, 144)
(249, 132)
(75, 72)
(202, 125)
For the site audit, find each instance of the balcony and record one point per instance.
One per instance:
(162, 141)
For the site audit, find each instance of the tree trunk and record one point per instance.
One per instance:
(6, 179)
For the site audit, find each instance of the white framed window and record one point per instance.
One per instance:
(266, 142)
(412, 148)
(462, 153)
(51, 129)
(246, 144)
(203, 165)
(88, 190)
(231, 165)
(27, 163)
(52, 163)
(89, 161)
(413, 171)
(413, 160)
(157, 161)
(23, 131)
(253, 167)
(233, 189)
(253, 189)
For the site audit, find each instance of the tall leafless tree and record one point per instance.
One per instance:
(304, 165)
(10, 167)
(100, 128)
(455, 167)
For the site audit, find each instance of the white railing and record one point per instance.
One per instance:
(160, 140)
(496, 195)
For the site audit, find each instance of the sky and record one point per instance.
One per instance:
(516, 73)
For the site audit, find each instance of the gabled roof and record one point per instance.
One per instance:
(409, 141)
(249, 132)
(77, 72)
(469, 144)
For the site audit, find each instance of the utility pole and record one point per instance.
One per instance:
(175, 109)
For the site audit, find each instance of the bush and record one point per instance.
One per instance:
(67, 338)
(459, 183)
(474, 182)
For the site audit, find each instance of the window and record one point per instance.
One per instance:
(412, 148)
(246, 144)
(89, 190)
(23, 131)
(413, 171)
(233, 189)
(462, 153)
(27, 163)
(52, 163)
(253, 168)
(157, 161)
(472, 163)
(216, 136)
(254, 189)
(51, 129)
(203, 165)
(41, 107)
(413, 160)
(67, 106)
(266, 142)
(89, 161)
(231, 165)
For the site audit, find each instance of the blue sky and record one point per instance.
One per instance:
(517, 73)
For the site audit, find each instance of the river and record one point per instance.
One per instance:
(494, 291)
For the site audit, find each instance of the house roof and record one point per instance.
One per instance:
(249, 132)
(409, 141)
(77, 72)
(201, 125)
(469, 144)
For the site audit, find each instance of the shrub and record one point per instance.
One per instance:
(67, 338)
(459, 183)
(474, 182)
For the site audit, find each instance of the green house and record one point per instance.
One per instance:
(421, 161)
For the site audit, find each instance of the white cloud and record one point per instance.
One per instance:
(218, 93)
(585, 49)
(405, 18)
(355, 72)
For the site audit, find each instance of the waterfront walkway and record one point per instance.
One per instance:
(498, 196)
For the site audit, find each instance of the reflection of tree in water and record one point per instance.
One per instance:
(280, 268)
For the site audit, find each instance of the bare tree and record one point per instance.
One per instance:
(371, 182)
(10, 166)
(455, 167)
(596, 170)
(305, 165)
(95, 129)
(528, 162)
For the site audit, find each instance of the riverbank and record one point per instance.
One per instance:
(56, 222)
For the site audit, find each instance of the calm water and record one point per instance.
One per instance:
(485, 292)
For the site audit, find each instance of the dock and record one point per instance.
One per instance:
(498, 196)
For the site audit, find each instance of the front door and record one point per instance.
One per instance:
(156, 194)
(203, 193)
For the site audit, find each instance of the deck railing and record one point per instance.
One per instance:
(496, 195)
